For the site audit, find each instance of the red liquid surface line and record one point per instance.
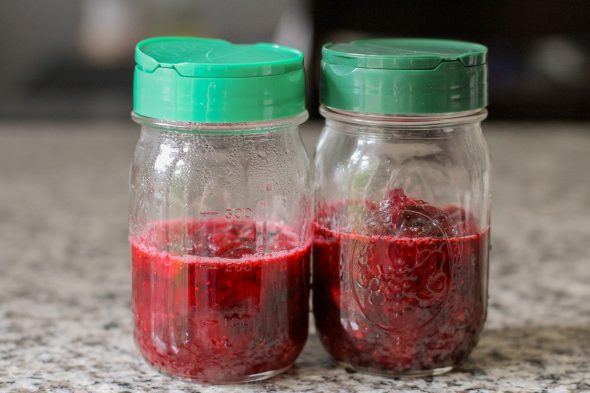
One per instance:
(214, 309)
(409, 301)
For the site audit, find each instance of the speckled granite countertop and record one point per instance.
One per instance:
(65, 322)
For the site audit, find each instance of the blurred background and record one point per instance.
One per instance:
(73, 59)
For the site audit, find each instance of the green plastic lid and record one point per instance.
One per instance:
(404, 76)
(190, 79)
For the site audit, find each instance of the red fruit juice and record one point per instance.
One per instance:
(408, 295)
(208, 306)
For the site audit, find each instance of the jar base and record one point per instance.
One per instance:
(397, 374)
(246, 379)
(260, 376)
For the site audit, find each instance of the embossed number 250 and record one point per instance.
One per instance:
(232, 213)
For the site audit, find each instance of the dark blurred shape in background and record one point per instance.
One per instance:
(539, 50)
(71, 59)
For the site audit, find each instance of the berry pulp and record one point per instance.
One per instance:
(402, 291)
(210, 305)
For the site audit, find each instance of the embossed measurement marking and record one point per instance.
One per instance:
(210, 214)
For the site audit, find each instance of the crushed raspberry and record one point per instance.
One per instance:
(209, 307)
(402, 291)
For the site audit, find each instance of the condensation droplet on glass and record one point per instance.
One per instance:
(377, 299)
(375, 284)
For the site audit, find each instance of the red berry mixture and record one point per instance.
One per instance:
(211, 304)
(408, 295)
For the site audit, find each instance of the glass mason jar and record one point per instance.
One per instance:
(220, 209)
(402, 211)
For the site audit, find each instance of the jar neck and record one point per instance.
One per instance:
(422, 121)
(254, 127)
